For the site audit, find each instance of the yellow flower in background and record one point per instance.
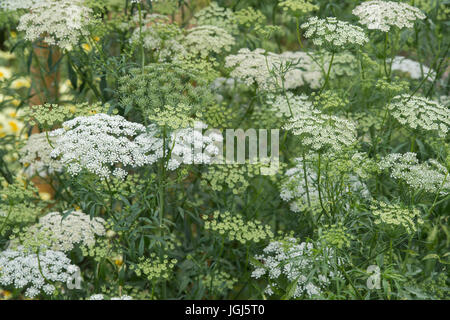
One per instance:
(73, 109)
(5, 294)
(6, 55)
(96, 39)
(118, 260)
(86, 47)
(45, 196)
(9, 122)
(21, 83)
(14, 127)
(13, 34)
(5, 73)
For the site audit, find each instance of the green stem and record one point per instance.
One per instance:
(386, 40)
(141, 40)
(299, 36)
(306, 180)
(328, 74)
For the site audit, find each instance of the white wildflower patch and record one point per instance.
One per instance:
(61, 232)
(296, 262)
(382, 15)
(101, 142)
(35, 272)
(419, 113)
(59, 23)
(192, 146)
(262, 68)
(35, 156)
(334, 34)
(415, 69)
(320, 132)
(429, 176)
(204, 40)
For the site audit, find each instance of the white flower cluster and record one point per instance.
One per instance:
(63, 232)
(420, 113)
(295, 262)
(430, 176)
(260, 67)
(415, 69)
(12, 5)
(35, 156)
(203, 40)
(59, 22)
(333, 34)
(282, 105)
(252, 67)
(100, 142)
(216, 16)
(22, 269)
(382, 15)
(191, 146)
(322, 132)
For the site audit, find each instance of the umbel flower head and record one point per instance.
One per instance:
(204, 40)
(415, 69)
(300, 264)
(429, 176)
(12, 5)
(260, 67)
(60, 232)
(35, 272)
(58, 22)
(192, 146)
(334, 34)
(100, 143)
(394, 216)
(35, 155)
(298, 7)
(419, 113)
(214, 15)
(382, 15)
(234, 228)
(282, 106)
(322, 132)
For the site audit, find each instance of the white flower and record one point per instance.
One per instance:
(204, 40)
(264, 69)
(35, 156)
(415, 69)
(293, 261)
(333, 34)
(63, 231)
(430, 176)
(420, 113)
(22, 269)
(12, 5)
(191, 146)
(382, 15)
(100, 142)
(321, 132)
(59, 22)
(282, 105)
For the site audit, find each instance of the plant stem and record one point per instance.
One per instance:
(328, 74)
